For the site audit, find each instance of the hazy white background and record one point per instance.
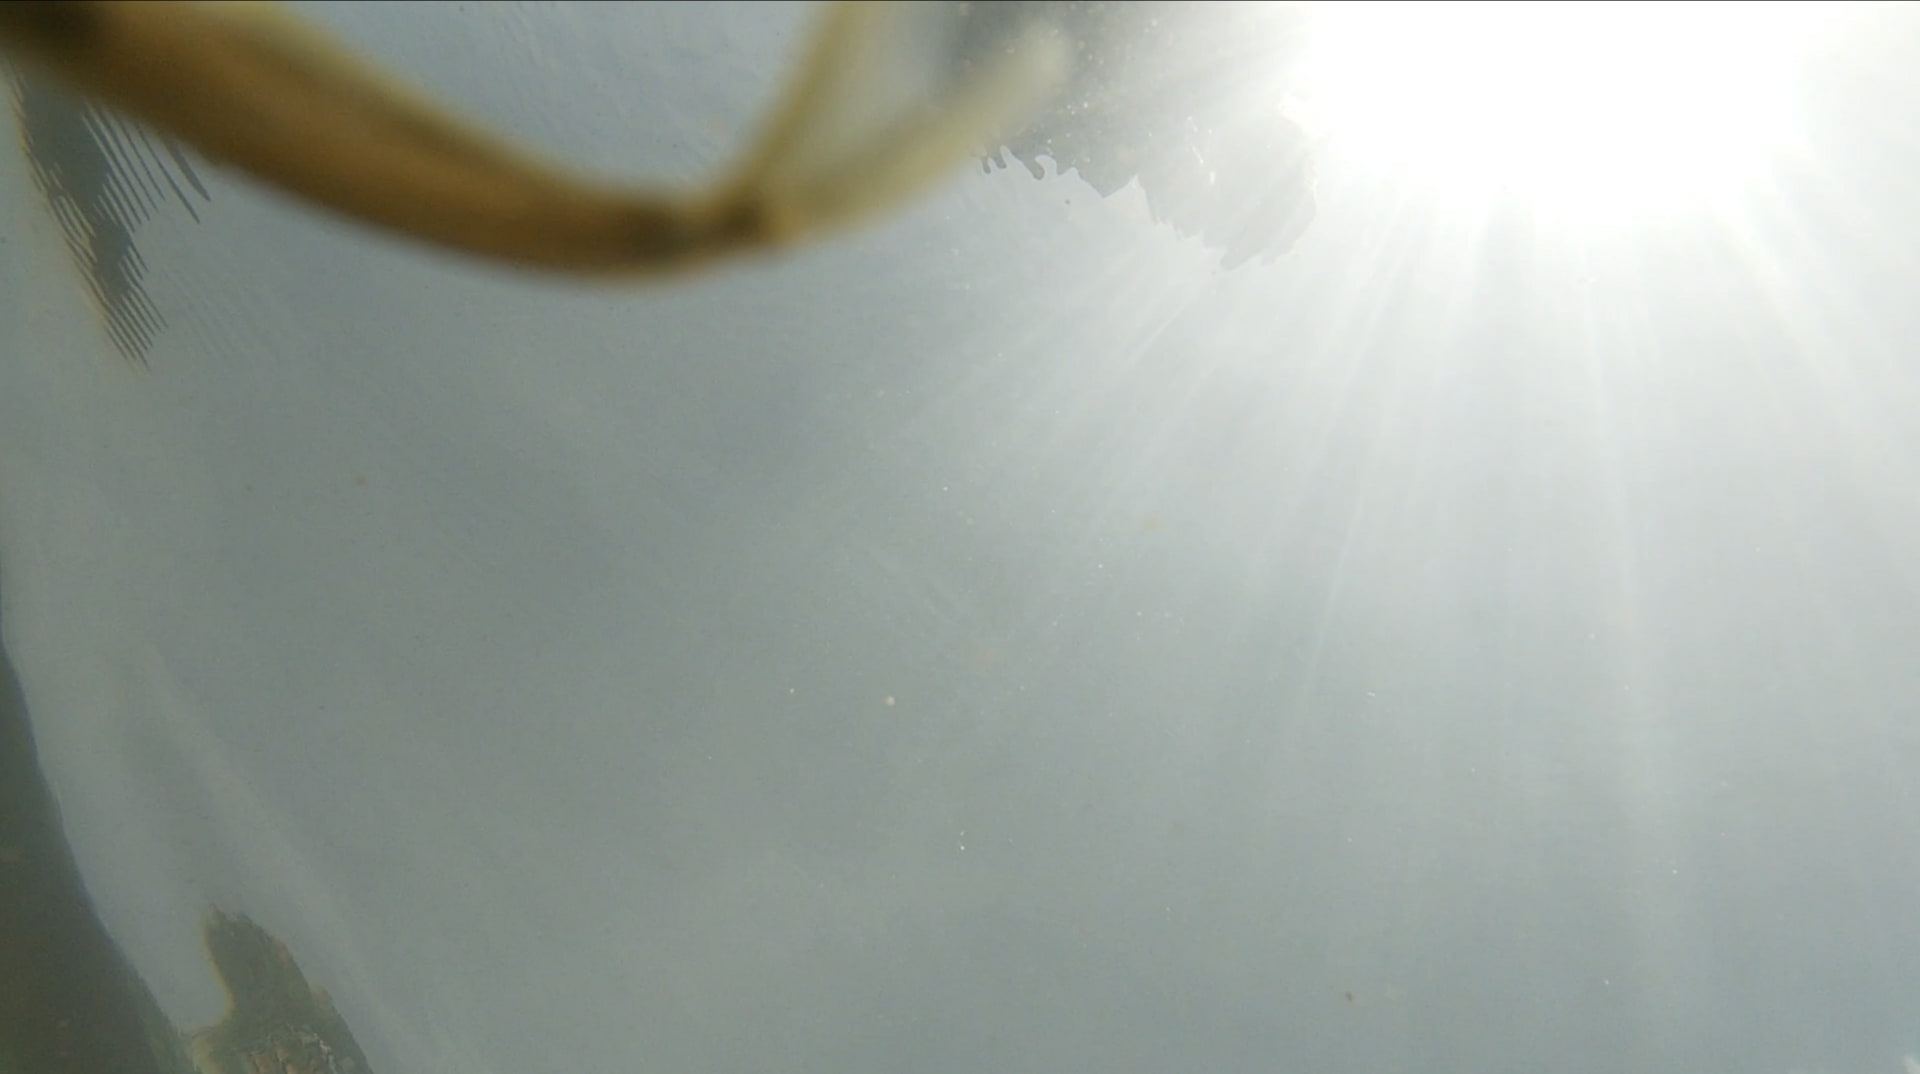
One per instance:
(999, 640)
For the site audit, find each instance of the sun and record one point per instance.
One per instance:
(1586, 105)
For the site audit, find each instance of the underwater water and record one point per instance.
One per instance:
(1001, 637)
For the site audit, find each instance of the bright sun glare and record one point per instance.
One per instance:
(1585, 105)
